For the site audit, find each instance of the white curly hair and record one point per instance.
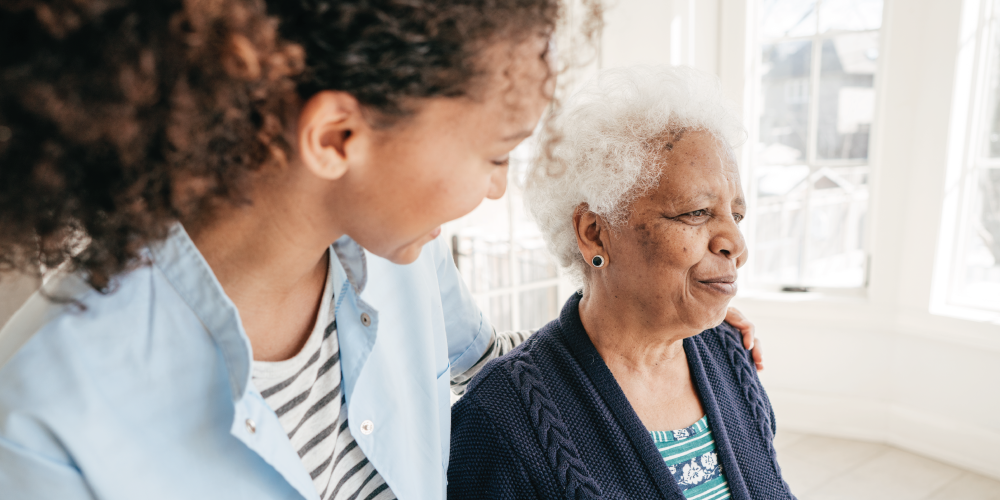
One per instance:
(607, 144)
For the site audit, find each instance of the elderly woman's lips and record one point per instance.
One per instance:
(725, 286)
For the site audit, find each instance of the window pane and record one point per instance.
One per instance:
(810, 226)
(834, 247)
(993, 141)
(538, 307)
(980, 274)
(781, 18)
(784, 109)
(847, 96)
(484, 260)
(499, 312)
(779, 219)
(850, 15)
(534, 262)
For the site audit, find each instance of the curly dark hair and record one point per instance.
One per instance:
(384, 52)
(119, 117)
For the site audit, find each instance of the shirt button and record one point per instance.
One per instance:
(366, 319)
(251, 427)
(367, 427)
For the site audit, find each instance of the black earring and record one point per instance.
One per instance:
(597, 261)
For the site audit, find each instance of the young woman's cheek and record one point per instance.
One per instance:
(461, 199)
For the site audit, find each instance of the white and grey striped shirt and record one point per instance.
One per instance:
(305, 393)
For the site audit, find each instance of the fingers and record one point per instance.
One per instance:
(758, 356)
(740, 322)
(750, 341)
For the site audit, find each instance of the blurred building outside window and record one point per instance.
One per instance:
(809, 139)
(503, 259)
(975, 272)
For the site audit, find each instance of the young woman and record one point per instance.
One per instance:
(189, 164)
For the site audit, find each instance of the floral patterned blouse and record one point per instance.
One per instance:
(690, 455)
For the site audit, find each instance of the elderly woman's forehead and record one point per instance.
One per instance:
(703, 153)
(681, 198)
(686, 139)
(704, 173)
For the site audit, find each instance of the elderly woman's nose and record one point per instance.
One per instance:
(729, 242)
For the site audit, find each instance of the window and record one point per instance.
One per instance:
(501, 255)
(810, 136)
(975, 276)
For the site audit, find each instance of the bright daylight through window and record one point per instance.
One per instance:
(502, 257)
(976, 272)
(811, 140)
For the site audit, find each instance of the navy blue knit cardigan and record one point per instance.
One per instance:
(548, 420)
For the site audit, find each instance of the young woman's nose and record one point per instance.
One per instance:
(498, 183)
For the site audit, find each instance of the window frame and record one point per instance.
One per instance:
(905, 298)
(752, 108)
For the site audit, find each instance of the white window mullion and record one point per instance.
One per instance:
(812, 129)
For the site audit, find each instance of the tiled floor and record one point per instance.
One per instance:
(822, 468)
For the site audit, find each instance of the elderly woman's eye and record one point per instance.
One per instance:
(738, 217)
(694, 217)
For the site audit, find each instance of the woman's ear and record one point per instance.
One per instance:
(590, 231)
(331, 123)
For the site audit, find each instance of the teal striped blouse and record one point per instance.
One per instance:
(690, 455)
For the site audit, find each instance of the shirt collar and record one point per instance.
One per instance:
(187, 271)
(352, 259)
(185, 268)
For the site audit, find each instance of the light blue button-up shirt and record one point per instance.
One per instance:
(145, 392)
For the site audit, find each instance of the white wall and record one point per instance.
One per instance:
(661, 32)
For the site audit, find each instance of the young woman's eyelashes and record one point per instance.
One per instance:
(503, 162)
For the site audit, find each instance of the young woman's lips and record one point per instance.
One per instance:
(725, 285)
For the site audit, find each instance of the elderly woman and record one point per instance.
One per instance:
(638, 390)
